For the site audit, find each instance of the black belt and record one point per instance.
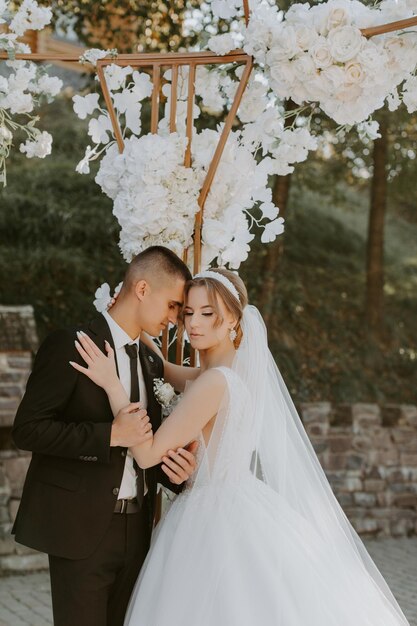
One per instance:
(126, 506)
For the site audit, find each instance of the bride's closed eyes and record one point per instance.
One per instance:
(189, 311)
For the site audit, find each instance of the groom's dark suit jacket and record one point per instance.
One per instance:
(65, 419)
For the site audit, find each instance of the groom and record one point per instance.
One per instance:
(85, 502)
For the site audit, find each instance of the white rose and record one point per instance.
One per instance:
(320, 53)
(304, 68)
(354, 73)
(338, 16)
(401, 53)
(284, 41)
(345, 42)
(335, 75)
(373, 59)
(349, 93)
(279, 69)
(305, 36)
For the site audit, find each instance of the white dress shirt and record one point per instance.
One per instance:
(121, 338)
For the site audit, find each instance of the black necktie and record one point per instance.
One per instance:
(132, 353)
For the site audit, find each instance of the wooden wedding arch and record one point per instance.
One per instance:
(156, 62)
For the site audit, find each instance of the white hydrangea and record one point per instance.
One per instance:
(155, 198)
(221, 44)
(30, 16)
(410, 94)
(154, 195)
(40, 147)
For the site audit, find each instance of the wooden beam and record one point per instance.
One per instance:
(389, 28)
(143, 60)
(110, 108)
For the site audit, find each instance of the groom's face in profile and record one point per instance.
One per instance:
(160, 305)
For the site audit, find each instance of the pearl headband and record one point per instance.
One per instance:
(221, 279)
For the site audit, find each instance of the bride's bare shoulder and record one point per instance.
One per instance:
(211, 380)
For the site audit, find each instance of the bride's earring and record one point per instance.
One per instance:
(232, 334)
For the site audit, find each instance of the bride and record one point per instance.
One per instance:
(257, 536)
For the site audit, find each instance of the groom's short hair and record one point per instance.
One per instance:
(156, 262)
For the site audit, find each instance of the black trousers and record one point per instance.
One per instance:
(96, 591)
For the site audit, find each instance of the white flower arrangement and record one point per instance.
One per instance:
(26, 85)
(155, 197)
(317, 54)
(166, 396)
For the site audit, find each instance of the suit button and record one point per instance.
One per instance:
(123, 452)
(115, 491)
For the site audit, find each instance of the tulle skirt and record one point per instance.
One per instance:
(236, 554)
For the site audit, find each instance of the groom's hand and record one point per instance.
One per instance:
(180, 464)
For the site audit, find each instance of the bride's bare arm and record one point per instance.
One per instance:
(198, 406)
(176, 375)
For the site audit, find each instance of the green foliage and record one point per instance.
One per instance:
(318, 334)
(59, 238)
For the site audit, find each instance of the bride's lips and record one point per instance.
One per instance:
(195, 335)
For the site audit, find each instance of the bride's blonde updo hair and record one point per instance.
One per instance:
(216, 288)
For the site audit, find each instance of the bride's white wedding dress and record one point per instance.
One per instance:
(258, 538)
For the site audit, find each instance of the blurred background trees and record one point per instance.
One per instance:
(338, 289)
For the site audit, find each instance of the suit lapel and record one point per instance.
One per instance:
(100, 328)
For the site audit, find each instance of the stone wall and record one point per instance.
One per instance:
(13, 556)
(18, 341)
(369, 454)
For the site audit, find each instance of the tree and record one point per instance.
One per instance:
(280, 194)
(375, 241)
(128, 25)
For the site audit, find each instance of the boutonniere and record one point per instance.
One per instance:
(166, 396)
